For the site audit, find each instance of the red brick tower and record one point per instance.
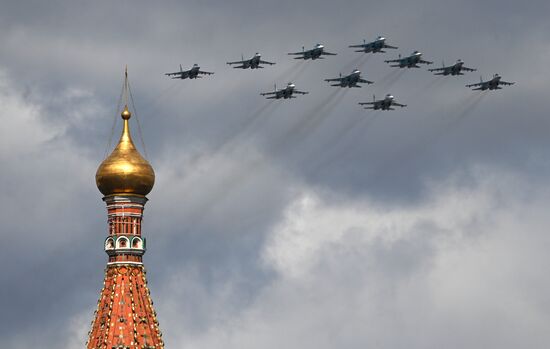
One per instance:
(125, 318)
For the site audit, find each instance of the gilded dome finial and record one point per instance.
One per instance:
(126, 115)
(125, 171)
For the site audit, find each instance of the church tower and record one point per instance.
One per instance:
(125, 318)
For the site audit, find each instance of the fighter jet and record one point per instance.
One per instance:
(350, 80)
(411, 61)
(252, 63)
(285, 93)
(375, 46)
(315, 53)
(193, 73)
(383, 104)
(455, 69)
(493, 84)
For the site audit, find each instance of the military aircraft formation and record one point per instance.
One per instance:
(378, 45)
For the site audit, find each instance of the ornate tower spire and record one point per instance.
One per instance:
(125, 317)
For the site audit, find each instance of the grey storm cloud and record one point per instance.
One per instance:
(312, 223)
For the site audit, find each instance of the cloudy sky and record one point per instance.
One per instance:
(308, 223)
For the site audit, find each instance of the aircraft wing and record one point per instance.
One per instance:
(437, 69)
(393, 60)
(365, 81)
(367, 103)
(335, 79)
(182, 74)
(506, 83)
(398, 104)
(300, 92)
(266, 62)
(424, 62)
(302, 55)
(205, 72)
(468, 69)
(268, 93)
(328, 53)
(476, 84)
(390, 46)
(299, 53)
(237, 62)
(367, 48)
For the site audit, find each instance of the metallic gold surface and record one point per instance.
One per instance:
(125, 171)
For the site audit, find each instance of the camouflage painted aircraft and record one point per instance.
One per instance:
(193, 73)
(455, 69)
(375, 46)
(252, 63)
(383, 104)
(315, 53)
(493, 84)
(411, 61)
(350, 80)
(285, 93)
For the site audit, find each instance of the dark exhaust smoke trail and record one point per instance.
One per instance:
(387, 76)
(236, 178)
(325, 112)
(362, 62)
(470, 104)
(327, 151)
(252, 119)
(468, 109)
(284, 143)
(155, 100)
(230, 140)
(303, 123)
(348, 135)
(299, 73)
(421, 94)
(352, 64)
(357, 62)
(435, 83)
(392, 80)
(290, 71)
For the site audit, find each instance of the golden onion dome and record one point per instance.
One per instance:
(125, 171)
